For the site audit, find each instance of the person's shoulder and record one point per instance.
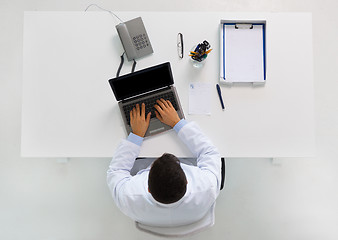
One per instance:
(137, 184)
(199, 181)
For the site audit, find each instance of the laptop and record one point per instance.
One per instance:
(146, 86)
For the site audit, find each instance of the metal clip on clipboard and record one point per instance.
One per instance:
(243, 53)
(243, 26)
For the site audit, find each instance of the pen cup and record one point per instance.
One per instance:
(197, 62)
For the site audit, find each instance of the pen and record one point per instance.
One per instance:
(220, 95)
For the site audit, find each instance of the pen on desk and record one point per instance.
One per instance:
(220, 95)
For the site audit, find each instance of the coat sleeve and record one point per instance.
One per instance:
(208, 157)
(119, 169)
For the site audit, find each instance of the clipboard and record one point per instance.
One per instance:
(243, 51)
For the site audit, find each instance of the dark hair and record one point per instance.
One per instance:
(167, 182)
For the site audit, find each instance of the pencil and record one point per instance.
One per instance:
(208, 51)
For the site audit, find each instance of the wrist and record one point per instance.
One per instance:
(139, 134)
(175, 122)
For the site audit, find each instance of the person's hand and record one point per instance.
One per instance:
(166, 113)
(138, 122)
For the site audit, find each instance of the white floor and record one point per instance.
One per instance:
(46, 199)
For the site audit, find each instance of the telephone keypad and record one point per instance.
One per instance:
(140, 41)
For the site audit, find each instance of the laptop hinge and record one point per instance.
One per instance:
(146, 93)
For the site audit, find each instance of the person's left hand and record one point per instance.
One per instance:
(138, 122)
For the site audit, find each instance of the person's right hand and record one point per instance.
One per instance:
(166, 113)
(139, 122)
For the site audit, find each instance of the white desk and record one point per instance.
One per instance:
(69, 109)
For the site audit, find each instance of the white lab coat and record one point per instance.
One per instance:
(131, 195)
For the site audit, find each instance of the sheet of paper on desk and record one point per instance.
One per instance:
(244, 54)
(199, 98)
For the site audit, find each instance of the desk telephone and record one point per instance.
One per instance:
(134, 38)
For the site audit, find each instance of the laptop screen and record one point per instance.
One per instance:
(142, 81)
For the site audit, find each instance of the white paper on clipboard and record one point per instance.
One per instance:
(242, 54)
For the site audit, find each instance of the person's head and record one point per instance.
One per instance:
(167, 182)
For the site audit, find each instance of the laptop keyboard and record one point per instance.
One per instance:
(149, 104)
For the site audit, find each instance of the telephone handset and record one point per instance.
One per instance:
(134, 38)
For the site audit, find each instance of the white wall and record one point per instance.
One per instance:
(44, 199)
